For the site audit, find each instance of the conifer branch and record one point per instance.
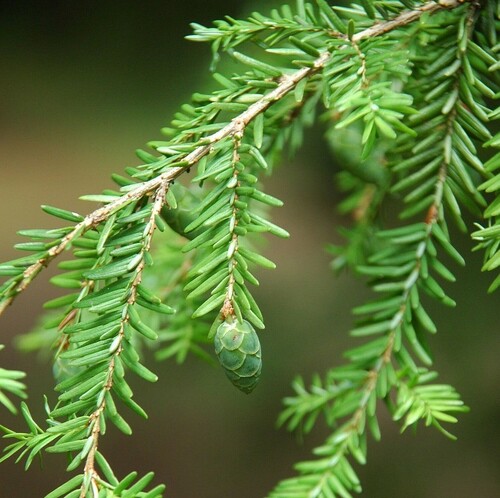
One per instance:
(340, 443)
(91, 477)
(411, 123)
(238, 124)
(228, 305)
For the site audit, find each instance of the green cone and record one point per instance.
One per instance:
(238, 348)
(185, 212)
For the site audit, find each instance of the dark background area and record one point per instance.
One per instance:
(84, 84)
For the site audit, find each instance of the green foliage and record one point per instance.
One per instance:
(489, 236)
(9, 381)
(407, 92)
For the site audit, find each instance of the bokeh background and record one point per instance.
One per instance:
(82, 84)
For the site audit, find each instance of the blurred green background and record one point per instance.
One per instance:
(82, 84)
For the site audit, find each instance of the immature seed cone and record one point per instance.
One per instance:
(180, 217)
(238, 348)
